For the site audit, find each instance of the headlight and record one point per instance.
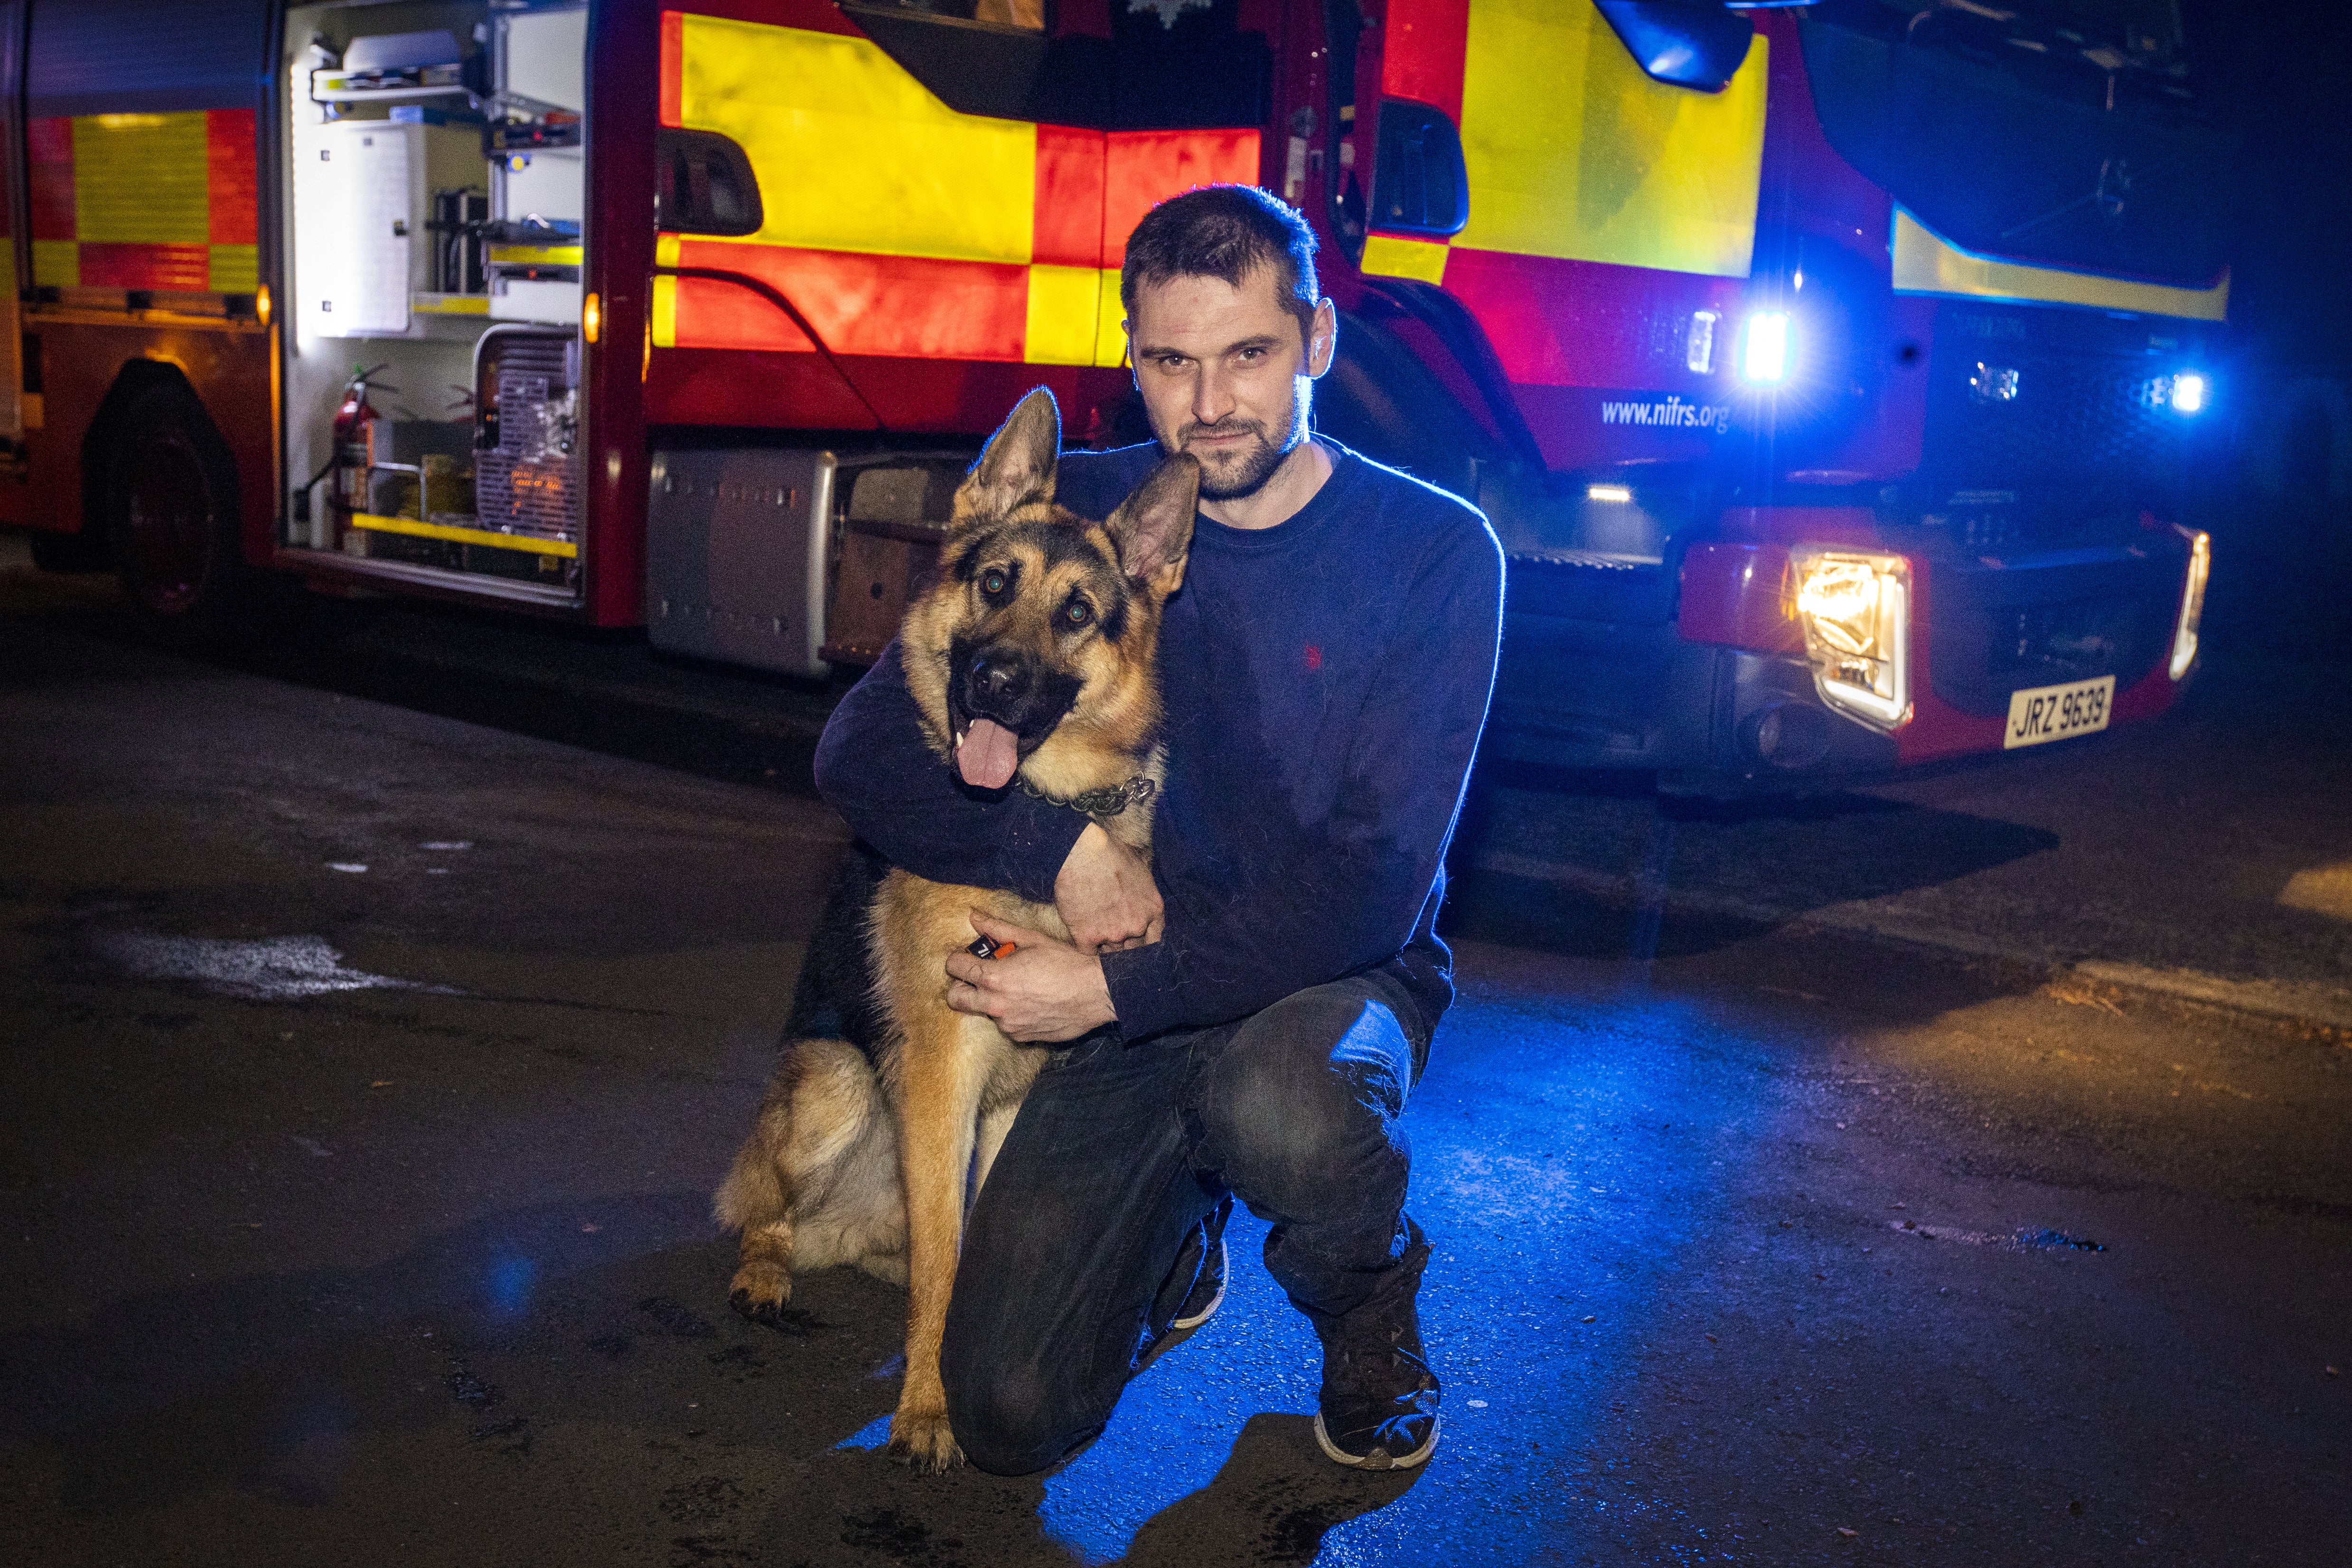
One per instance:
(2192, 602)
(2187, 393)
(1855, 608)
(1765, 347)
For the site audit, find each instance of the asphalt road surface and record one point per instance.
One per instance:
(1853, 1183)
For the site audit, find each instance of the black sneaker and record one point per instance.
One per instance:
(1378, 1409)
(1202, 1261)
(1379, 1405)
(1208, 1292)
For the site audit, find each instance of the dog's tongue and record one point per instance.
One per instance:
(988, 755)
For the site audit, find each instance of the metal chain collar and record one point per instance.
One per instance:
(1097, 804)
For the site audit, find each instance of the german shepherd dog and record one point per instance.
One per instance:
(1030, 654)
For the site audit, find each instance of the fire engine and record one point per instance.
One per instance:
(1829, 372)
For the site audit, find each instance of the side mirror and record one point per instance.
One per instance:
(1419, 182)
(703, 184)
(1683, 43)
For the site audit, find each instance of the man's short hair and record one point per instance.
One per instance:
(1227, 232)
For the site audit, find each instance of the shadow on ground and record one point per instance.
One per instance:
(606, 691)
(1273, 1502)
(296, 1417)
(1582, 865)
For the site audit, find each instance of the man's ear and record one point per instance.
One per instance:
(1018, 463)
(1322, 337)
(1153, 526)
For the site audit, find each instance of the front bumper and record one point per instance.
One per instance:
(1581, 693)
(1706, 682)
(1990, 629)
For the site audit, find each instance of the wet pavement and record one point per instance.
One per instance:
(2207, 856)
(369, 1063)
(2208, 853)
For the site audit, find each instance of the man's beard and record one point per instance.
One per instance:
(1231, 475)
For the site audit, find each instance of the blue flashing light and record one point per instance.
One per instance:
(1764, 354)
(2187, 393)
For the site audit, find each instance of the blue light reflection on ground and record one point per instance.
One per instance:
(510, 1281)
(1176, 1427)
(1545, 1208)
(873, 1435)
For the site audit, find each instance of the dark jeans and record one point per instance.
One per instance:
(1117, 1155)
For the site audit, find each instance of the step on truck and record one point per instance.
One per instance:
(1830, 372)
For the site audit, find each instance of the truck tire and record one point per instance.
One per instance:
(170, 511)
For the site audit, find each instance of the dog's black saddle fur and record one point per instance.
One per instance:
(834, 999)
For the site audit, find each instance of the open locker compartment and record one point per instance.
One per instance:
(436, 208)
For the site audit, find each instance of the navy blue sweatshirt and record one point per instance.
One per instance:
(1324, 680)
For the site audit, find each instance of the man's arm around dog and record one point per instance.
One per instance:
(1321, 722)
(873, 766)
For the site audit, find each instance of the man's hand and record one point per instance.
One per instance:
(1041, 992)
(1105, 894)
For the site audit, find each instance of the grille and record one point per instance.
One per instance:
(2072, 420)
(1993, 633)
(2005, 522)
(1586, 587)
(527, 480)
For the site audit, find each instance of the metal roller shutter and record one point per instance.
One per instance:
(132, 57)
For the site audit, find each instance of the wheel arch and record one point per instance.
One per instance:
(175, 535)
(1416, 384)
(136, 379)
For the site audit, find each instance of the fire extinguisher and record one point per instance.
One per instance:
(355, 440)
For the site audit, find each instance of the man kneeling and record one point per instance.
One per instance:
(1246, 1018)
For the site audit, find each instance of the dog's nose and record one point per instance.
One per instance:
(996, 679)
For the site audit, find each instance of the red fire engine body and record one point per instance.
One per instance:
(1828, 372)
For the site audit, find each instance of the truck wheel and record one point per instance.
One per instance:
(171, 518)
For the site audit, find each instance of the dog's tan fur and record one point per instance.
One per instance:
(847, 1166)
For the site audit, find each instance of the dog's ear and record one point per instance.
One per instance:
(1017, 465)
(1153, 526)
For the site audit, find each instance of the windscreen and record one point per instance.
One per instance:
(2059, 132)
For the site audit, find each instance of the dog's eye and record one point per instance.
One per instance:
(993, 581)
(1077, 613)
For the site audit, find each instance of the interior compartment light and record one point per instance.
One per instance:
(1609, 492)
(1855, 609)
(2187, 394)
(2192, 602)
(1764, 353)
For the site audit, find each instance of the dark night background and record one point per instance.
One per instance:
(2281, 505)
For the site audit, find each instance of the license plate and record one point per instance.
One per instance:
(2057, 712)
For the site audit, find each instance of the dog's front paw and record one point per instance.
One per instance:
(924, 1442)
(760, 1292)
